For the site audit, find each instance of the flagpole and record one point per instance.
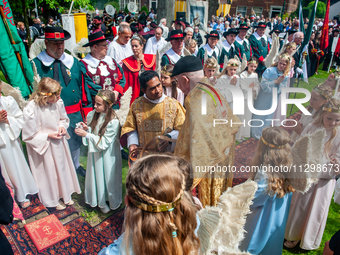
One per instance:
(283, 10)
(298, 81)
(36, 9)
(330, 63)
(13, 43)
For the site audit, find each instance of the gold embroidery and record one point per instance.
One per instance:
(153, 125)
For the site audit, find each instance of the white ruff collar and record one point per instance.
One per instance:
(210, 50)
(47, 60)
(173, 55)
(156, 101)
(239, 40)
(227, 46)
(93, 62)
(258, 37)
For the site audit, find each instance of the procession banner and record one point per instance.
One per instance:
(13, 56)
(308, 33)
(324, 41)
(198, 9)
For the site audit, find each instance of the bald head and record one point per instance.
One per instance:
(188, 80)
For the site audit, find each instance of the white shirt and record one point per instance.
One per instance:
(173, 55)
(97, 12)
(165, 31)
(153, 45)
(259, 37)
(227, 46)
(47, 60)
(119, 52)
(210, 51)
(240, 41)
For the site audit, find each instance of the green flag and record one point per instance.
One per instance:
(309, 31)
(301, 24)
(14, 62)
(304, 46)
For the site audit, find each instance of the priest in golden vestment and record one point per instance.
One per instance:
(209, 145)
(151, 115)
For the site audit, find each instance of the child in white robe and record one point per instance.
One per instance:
(249, 80)
(14, 167)
(170, 87)
(308, 212)
(44, 131)
(103, 180)
(229, 77)
(319, 96)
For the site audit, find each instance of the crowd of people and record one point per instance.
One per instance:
(166, 72)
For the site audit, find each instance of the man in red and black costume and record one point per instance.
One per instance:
(102, 69)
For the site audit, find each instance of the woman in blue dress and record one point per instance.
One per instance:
(266, 224)
(160, 217)
(274, 77)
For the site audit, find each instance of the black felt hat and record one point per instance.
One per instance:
(261, 25)
(175, 34)
(187, 64)
(56, 34)
(231, 31)
(243, 26)
(97, 38)
(275, 30)
(292, 31)
(213, 33)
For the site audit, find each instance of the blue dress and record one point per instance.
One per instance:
(265, 98)
(118, 249)
(266, 224)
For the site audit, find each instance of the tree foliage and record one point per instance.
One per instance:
(62, 5)
(145, 9)
(320, 9)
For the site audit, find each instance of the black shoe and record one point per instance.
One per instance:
(125, 155)
(81, 171)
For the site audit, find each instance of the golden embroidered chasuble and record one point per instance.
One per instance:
(150, 119)
(205, 145)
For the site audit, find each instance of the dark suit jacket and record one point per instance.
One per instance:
(6, 203)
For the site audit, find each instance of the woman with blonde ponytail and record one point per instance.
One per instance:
(159, 216)
(308, 212)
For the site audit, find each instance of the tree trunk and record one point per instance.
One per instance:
(27, 26)
(166, 9)
(213, 7)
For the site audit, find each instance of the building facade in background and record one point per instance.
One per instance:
(268, 8)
